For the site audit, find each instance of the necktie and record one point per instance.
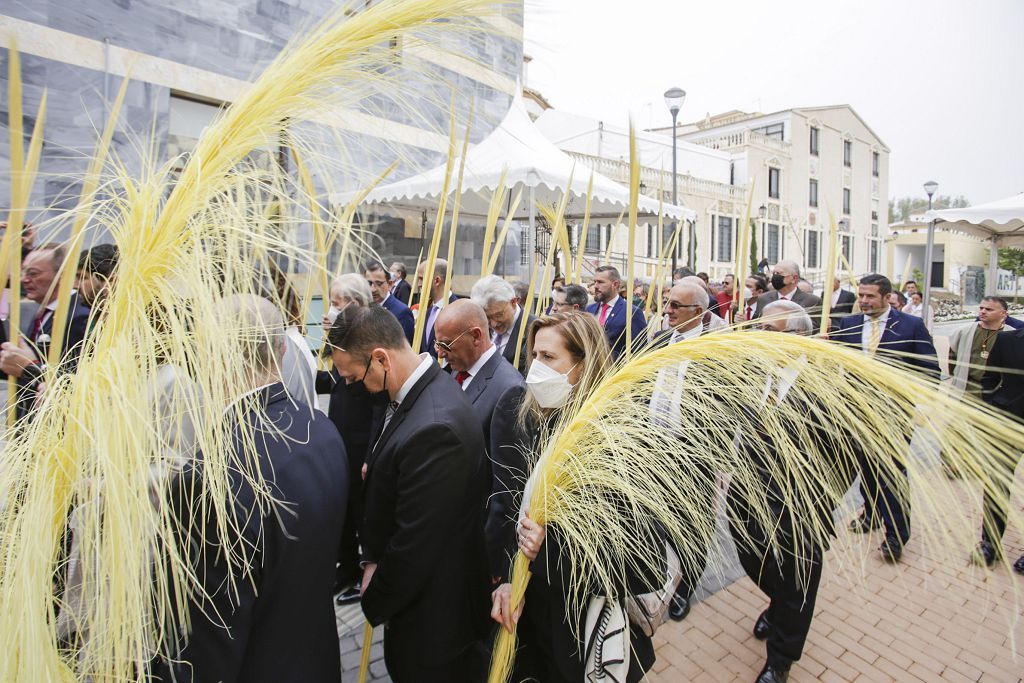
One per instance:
(37, 325)
(876, 336)
(388, 414)
(461, 376)
(750, 313)
(497, 342)
(604, 315)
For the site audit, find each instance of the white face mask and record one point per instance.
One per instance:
(332, 314)
(550, 388)
(747, 293)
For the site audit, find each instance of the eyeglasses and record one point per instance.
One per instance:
(447, 346)
(675, 305)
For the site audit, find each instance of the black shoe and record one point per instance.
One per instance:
(678, 608)
(348, 597)
(763, 627)
(862, 525)
(770, 675)
(985, 554)
(1018, 566)
(891, 549)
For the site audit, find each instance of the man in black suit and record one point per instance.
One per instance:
(882, 330)
(400, 287)
(434, 294)
(380, 289)
(842, 303)
(505, 316)
(785, 278)
(1003, 388)
(40, 274)
(267, 615)
(425, 570)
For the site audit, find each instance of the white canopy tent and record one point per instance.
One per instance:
(1000, 222)
(532, 164)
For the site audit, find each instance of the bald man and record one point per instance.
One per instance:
(495, 388)
(462, 337)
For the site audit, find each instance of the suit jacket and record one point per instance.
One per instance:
(403, 314)
(423, 503)
(279, 624)
(74, 339)
(905, 339)
(74, 336)
(428, 333)
(495, 378)
(402, 291)
(1014, 323)
(354, 411)
(615, 326)
(27, 313)
(513, 341)
(808, 301)
(1005, 390)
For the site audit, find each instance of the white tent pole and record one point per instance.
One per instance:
(992, 284)
(527, 243)
(928, 252)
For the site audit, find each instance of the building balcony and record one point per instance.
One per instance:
(656, 179)
(741, 139)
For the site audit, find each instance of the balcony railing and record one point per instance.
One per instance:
(656, 179)
(743, 138)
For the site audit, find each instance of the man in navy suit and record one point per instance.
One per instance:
(377, 277)
(612, 312)
(882, 330)
(39, 275)
(425, 567)
(267, 615)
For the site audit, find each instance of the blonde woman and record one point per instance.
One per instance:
(570, 356)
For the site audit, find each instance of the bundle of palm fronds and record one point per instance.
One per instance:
(636, 454)
(165, 361)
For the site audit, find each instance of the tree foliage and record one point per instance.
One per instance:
(903, 208)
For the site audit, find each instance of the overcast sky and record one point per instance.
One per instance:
(941, 82)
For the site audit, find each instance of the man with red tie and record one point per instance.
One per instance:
(611, 311)
(756, 285)
(40, 273)
(463, 338)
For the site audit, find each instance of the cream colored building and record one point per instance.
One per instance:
(959, 265)
(807, 167)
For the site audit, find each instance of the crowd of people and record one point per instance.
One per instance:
(407, 495)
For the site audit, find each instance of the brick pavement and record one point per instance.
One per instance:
(920, 620)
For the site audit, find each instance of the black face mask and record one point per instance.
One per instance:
(778, 281)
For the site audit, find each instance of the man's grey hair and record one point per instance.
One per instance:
(796, 317)
(698, 295)
(260, 326)
(492, 290)
(789, 265)
(352, 286)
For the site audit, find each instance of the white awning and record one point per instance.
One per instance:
(1001, 220)
(530, 162)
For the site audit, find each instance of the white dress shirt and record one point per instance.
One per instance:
(478, 365)
(421, 369)
(865, 330)
(501, 340)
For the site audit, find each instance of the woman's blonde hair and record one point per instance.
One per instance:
(586, 343)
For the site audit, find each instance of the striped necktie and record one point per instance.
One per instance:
(876, 336)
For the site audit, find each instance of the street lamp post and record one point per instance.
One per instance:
(930, 187)
(674, 98)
